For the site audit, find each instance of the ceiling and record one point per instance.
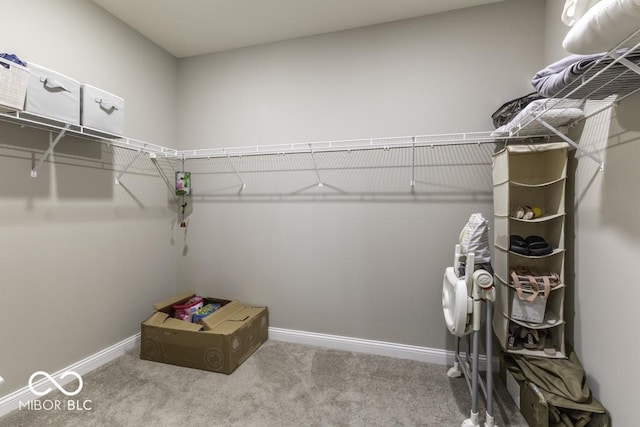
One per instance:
(194, 27)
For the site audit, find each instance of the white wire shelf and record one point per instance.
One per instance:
(44, 123)
(154, 150)
(452, 172)
(609, 80)
(385, 143)
(389, 166)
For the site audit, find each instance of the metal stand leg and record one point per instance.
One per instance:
(472, 421)
(454, 371)
(489, 422)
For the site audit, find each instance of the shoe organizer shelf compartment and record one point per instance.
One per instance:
(551, 229)
(530, 175)
(549, 197)
(555, 345)
(504, 261)
(554, 305)
(552, 323)
(530, 164)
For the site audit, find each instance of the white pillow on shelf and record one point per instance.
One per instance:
(575, 9)
(603, 26)
(555, 112)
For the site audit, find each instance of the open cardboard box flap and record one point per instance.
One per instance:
(164, 321)
(156, 319)
(233, 322)
(227, 318)
(167, 303)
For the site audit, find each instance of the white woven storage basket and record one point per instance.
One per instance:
(13, 86)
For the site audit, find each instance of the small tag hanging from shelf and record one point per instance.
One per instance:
(183, 188)
(183, 183)
(183, 223)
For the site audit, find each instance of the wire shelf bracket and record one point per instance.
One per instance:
(126, 168)
(52, 145)
(412, 183)
(171, 188)
(235, 169)
(592, 156)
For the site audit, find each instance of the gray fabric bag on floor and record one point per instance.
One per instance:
(563, 385)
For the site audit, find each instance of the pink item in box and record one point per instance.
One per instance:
(184, 311)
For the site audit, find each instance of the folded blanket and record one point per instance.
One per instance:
(560, 79)
(603, 26)
(555, 77)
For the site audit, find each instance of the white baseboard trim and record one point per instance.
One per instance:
(11, 401)
(380, 348)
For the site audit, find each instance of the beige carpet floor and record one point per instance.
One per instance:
(281, 384)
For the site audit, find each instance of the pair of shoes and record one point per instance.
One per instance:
(543, 342)
(531, 339)
(548, 347)
(514, 341)
(531, 246)
(521, 337)
(526, 212)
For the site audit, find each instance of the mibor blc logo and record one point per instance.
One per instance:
(55, 383)
(37, 387)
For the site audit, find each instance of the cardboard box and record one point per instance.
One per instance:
(225, 339)
(102, 110)
(53, 95)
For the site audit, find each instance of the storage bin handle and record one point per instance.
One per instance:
(106, 105)
(53, 84)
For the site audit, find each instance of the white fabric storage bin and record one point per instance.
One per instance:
(53, 95)
(102, 110)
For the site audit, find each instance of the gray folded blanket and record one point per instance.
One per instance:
(560, 78)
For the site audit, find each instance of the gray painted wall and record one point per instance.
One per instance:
(605, 246)
(369, 270)
(82, 260)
